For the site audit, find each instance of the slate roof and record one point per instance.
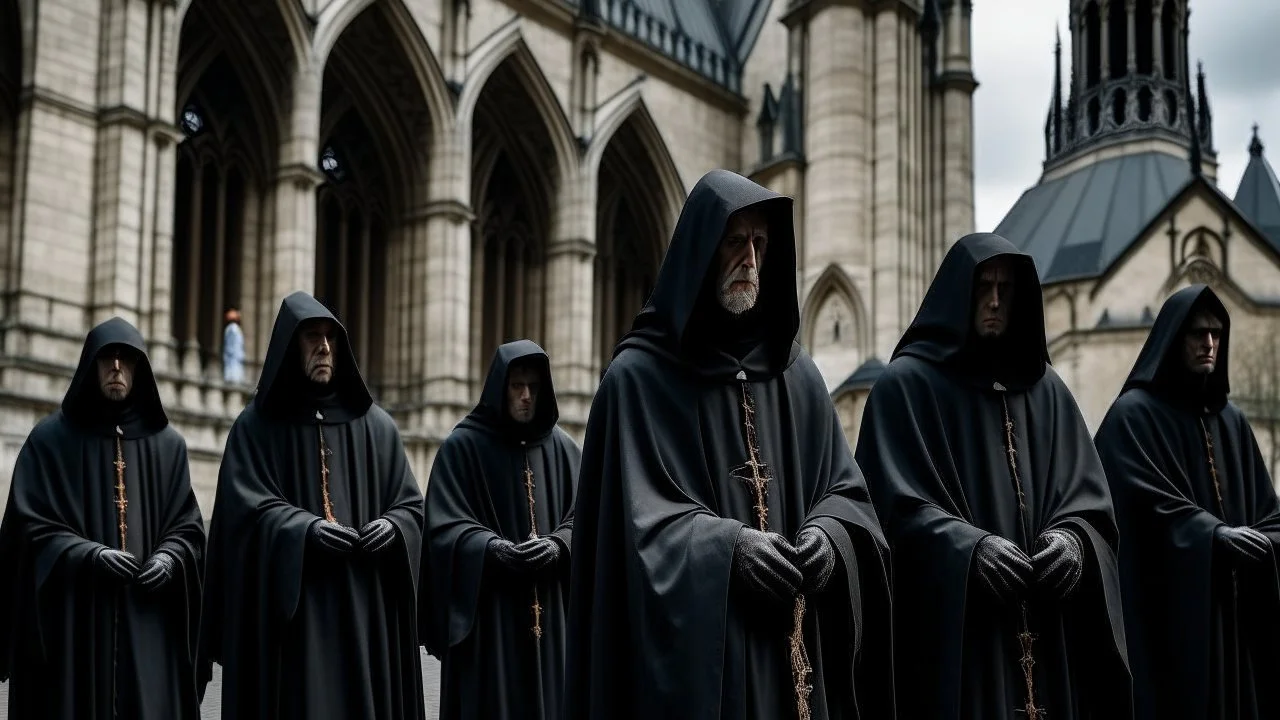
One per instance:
(711, 37)
(1076, 225)
(1258, 196)
(862, 378)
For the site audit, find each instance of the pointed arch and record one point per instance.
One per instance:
(629, 105)
(834, 281)
(289, 12)
(507, 44)
(335, 19)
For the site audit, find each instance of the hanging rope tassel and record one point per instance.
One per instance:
(1028, 661)
(801, 669)
(536, 608)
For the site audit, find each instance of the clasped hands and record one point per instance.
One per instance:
(124, 567)
(766, 563)
(375, 536)
(530, 556)
(1007, 572)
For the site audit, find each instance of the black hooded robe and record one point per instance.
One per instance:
(933, 447)
(299, 631)
(1203, 644)
(74, 644)
(658, 627)
(478, 619)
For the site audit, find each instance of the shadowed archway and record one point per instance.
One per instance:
(10, 89)
(235, 61)
(513, 187)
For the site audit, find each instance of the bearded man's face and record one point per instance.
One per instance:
(741, 253)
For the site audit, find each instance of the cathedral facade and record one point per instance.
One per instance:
(447, 175)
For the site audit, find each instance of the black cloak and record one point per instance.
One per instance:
(301, 632)
(1203, 644)
(71, 639)
(657, 625)
(478, 619)
(932, 444)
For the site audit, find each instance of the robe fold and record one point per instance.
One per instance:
(74, 644)
(1204, 641)
(477, 616)
(658, 625)
(933, 446)
(302, 632)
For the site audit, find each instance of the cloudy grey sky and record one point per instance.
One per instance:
(1238, 40)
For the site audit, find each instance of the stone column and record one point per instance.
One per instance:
(1157, 41)
(887, 232)
(1104, 40)
(293, 258)
(569, 303)
(1132, 23)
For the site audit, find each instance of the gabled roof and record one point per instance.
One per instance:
(1075, 226)
(862, 378)
(1258, 196)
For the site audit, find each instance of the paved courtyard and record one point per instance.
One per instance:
(210, 709)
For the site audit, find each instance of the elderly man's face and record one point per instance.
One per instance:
(741, 253)
(316, 339)
(1201, 341)
(992, 298)
(115, 372)
(523, 384)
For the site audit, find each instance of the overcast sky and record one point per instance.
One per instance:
(1238, 40)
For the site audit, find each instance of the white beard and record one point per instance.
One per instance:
(738, 302)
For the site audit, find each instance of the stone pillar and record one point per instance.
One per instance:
(1131, 23)
(159, 332)
(569, 287)
(451, 270)
(293, 259)
(1104, 40)
(887, 231)
(1157, 41)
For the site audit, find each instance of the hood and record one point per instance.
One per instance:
(284, 392)
(1159, 368)
(491, 414)
(140, 414)
(942, 331)
(681, 312)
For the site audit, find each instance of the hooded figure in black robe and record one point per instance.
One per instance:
(484, 565)
(94, 627)
(681, 607)
(311, 605)
(992, 541)
(1198, 521)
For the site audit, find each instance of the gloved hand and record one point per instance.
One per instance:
(377, 535)
(116, 564)
(766, 562)
(528, 557)
(815, 558)
(1244, 543)
(1003, 568)
(157, 571)
(1059, 562)
(333, 536)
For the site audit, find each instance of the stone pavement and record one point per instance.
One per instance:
(211, 709)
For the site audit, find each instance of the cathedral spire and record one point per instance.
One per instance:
(1130, 81)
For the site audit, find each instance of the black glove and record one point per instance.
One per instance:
(815, 558)
(1059, 562)
(116, 564)
(377, 535)
(333, 536)
(766, 562)
(1244, 543)
(157, 571)
(1003, 568)
(527, 557)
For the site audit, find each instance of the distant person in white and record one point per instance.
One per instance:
(233, 349)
